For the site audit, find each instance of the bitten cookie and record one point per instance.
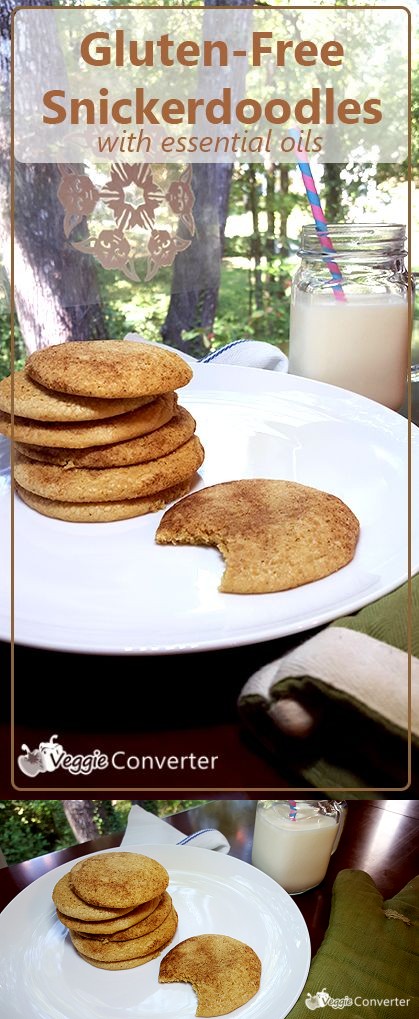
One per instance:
(224, 972)
(273, 535)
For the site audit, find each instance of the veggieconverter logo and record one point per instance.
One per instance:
(322, 999)
(51, 755)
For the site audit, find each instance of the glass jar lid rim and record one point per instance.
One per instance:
(354, 239)
(353, 227)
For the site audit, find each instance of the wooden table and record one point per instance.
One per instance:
(380, 837)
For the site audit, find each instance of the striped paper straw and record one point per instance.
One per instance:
(321, 225)
(293, 809)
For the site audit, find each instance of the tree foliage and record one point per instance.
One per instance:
(30, 828)
(260, 245)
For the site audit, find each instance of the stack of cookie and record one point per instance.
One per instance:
(99, 435)
(117, 909)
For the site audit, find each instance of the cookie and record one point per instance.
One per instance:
(105, 512)
(91, 433)
(144, 925)
(109, 928)
(147, 447)
(118, 880)
(66, 900)
(273, 535)
(109, 368)
(126, 964)
(30, 400)
(224, 972)
(109, 484)
(117, 951)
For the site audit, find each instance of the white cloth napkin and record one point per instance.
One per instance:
(250, 354)
(144, 828)
(247, 353)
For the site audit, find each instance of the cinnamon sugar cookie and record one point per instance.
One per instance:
(91, 433)
(118, 879)
(157, 443)
(109, 484)
(108, 928)
(66, 900)
(105, 512)
(145, 925)
(125, 964)
(118, 951)
(31, 400)
(109, 368)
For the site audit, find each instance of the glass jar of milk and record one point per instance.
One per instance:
(293, 840)
(360, 342)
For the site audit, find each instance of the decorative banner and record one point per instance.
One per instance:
(154, 85)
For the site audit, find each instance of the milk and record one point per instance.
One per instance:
(360, 344)
(295, 853)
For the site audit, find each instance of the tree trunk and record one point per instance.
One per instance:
(332, 189)
(270, 210)
(56, 293)
(256, 242)
(284, 178)
(79, 814)
(284, 181)
(192, 308)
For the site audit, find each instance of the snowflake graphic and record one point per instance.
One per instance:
(144, 212)
(113, 194)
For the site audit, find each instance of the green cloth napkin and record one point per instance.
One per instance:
(353, 678)
(370, 953)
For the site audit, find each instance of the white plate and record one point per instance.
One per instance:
(110, 588)
(42, 977)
